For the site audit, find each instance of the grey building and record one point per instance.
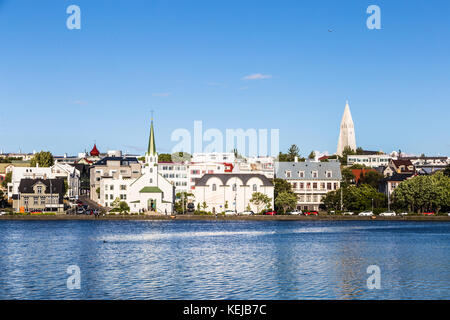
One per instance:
(310, 181)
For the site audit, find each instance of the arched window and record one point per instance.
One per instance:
(214, 187)
(151, 180)
(234, 187)
(255, 188)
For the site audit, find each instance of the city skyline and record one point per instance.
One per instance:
(240, 65)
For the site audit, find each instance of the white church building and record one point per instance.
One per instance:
(150, 192)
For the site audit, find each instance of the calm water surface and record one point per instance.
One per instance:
(224, 260)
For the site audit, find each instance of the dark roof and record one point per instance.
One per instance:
(26, 185)
(398, 177)
(224, 177)
(403, 162)
(370, 153)
(123, 160)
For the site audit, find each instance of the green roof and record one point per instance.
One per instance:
(150, 190)
(136, 201)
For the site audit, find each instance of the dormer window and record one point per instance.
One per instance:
(39, 189)
(301, 174)
(328, 174)
(314, 174)
(288, 174)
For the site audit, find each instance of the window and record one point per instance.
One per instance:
(301, 174)
(234, 187)
(302, 185)
(329, 186)
(42, 200)
(111, 187)
(328, 174)
(35, 200)
(123, 197)
(25, 200)
(288, 174)
(39, 189)
(110, 197)
(123, 187)
(315, 185)
(294, 185)
(255, 188)
(314, 174)
(214, 187)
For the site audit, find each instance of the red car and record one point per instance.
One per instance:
(428, 213)
(311, 213)
(270, 213)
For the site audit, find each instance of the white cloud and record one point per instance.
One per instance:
(257, 76)
(162, 94)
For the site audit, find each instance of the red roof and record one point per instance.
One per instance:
(94, 152)
(359, 172)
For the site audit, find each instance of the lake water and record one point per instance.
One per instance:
(224, 259)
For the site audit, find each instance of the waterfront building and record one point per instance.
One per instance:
(139, 185)
(310, 181)
(347, 132)
(389, 183)
(39, 194)
(373, 160)
(231, 191)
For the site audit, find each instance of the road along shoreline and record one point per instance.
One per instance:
(221, 218)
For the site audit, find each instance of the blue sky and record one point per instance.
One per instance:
(61, 90)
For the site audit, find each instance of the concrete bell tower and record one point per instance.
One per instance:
(347, 132)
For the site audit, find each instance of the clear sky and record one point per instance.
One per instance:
(61, 89)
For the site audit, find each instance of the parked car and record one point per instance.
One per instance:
(230, 212)
(80, 210)
(36, 212)
(365, 214)
(388, 214)
(190, 207)
(403, 213)
(429, 213)
(348, 213)
(270, 213)
(3, 213)
(311, 213)
(246, 213)
(295, 212)
(448, 214)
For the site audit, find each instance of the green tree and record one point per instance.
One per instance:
(204, 205)
(347, 177)
(164, 157)
(293, 152)
(355, 198)
(346, 152)
(123, 207)
(372, 178)
(260, 200)
(447, 170)
(423, 193)
(8, 178)
(43, 159)
(286, 201)
(359, 151)
(180, 198)
(312, 155)
(281, 186)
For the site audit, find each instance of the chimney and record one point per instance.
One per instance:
(296, 159)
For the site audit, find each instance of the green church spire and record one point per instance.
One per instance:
(151, 151)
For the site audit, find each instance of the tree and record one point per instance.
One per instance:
(347, 177)
(372, 178)
(312, 155)
(355, 198)
(359, 151)
(204, 205)
(346, 152)
(8, 178)
(293, 152)
(164, 157)
(447, 170)
(43, 159)
(260, 200)
(423, 193)
(281, 186)
(286, 200)
(182, 197)
(115, 203)
(123, 207)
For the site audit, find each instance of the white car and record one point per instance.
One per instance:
(3, 213)
(365, 214)
(246, 213)
(388, 214)
(348, 213)
(403, 213)
(448, 214)
(230, 213)
(295, 212)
